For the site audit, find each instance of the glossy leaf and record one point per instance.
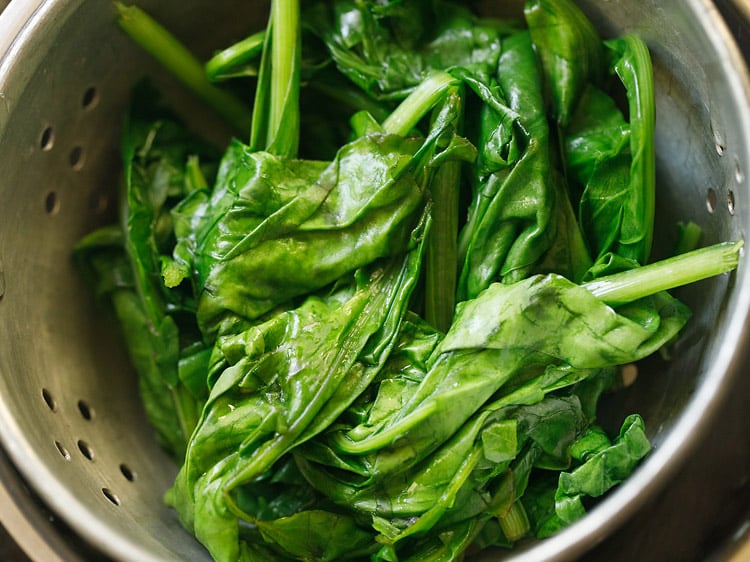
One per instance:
(511, 220)
(389, 48)
(570, 51)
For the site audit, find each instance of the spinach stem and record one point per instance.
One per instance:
(195, 179)
(515, 523)
(224, 62)
(285, 53)
(177, 59)
(422, 99)
(631, 285)
(441, 250)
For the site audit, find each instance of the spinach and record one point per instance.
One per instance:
(507, 234)
(614, 159)
(378, 324)
(275, 402)
(388, 48)
(499, 333)
(608, 160)
(570, 50)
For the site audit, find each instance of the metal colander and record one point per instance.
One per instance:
(70, 418)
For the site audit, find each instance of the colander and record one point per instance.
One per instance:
(70, 418)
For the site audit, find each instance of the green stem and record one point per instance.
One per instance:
(666, 274)
(195, 180)
(225, 62)
(424, 97)
(285, 62)
(515, 523)
(441, 251)
(178, 60)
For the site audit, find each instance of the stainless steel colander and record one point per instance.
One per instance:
(70, 419)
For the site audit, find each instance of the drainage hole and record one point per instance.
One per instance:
(62, 450)
(86, 450)
(711, 200)
(719, 143)
(730, 202)
(111, 496)
(87, 412)
(128, 473)
(49, 400)
(47, 139)
(51, 203)
(75, 158)
(90, 98)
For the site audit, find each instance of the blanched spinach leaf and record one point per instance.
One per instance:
(511, 220)
(497, 337)
(614, 162)
(293, 227)
(570, 51)
(388, 48)
(276, 402)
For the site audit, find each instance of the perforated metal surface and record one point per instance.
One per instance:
(72, 423)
